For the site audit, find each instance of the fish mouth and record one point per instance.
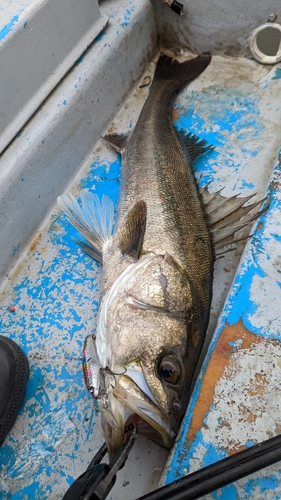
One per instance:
(131, 403)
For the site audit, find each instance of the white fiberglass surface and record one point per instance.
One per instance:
(54, 290)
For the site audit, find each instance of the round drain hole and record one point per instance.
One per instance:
(265, 43)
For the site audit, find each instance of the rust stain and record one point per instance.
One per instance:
(111, 129)
(246, 414)
(278, 429)
(258, 385)
(34, 243)
(176, 114)
(251, 417)
(235, 448)
(225, 423)
(15, 272)
(275, 185)
(219, 360)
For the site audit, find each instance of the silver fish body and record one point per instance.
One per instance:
(162, 250)
(157, 267)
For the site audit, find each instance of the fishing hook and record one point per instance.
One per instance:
(148, 77)
(113, 374)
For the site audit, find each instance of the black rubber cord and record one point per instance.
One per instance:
(221, 473)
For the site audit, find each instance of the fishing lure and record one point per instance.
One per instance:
(92, 369)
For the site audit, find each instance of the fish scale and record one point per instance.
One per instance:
(162, 177)
(157, 267)
(156, 169)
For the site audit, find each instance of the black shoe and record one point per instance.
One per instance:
(14, 373)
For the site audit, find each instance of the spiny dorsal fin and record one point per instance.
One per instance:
(94, 220)
(117, 141)
(227, 217)
(130, 235)
(194, 145)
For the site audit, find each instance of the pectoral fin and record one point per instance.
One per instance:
(89, 249)
(131, 233)
(94, 219)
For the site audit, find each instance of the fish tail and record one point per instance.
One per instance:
(178, 74)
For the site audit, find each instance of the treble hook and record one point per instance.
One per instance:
(148, 77)
(113, 374)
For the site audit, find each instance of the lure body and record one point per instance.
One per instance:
(91, 367)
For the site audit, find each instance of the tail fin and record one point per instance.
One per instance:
(180, 74)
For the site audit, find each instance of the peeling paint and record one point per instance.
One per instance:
(55, 294)
(236, 402)
(219, 359)
(8, 27)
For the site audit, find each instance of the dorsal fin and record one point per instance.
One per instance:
(194, 145)
(117, 141)
(131, 233)
(227, 216)
(94, 220)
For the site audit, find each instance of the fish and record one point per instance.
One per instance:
(157, 266)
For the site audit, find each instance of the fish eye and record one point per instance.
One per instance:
(169, 369)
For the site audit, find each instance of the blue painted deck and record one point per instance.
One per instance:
(55, 295)
(235, 403)
(54, 290)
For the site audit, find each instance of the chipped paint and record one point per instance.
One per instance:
(8, 27)
(277, 74)
(130, 8)
(231, 340)
(48, 160)
(241, 406)
(235, 403)
(55, 294)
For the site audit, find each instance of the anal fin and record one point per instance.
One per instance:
(229, 219)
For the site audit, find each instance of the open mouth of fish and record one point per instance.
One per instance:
(131, 401)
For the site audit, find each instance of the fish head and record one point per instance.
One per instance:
(152, 343)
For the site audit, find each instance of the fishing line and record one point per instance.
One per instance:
(148, 77)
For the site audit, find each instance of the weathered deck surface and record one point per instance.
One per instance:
(236, 106)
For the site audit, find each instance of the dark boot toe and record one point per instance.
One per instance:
(14, 373)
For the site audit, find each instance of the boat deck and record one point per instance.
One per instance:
(235, 106)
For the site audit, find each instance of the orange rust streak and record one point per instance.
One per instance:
(33, 245)
(258, 385)
(219, 360)
(176, 114)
